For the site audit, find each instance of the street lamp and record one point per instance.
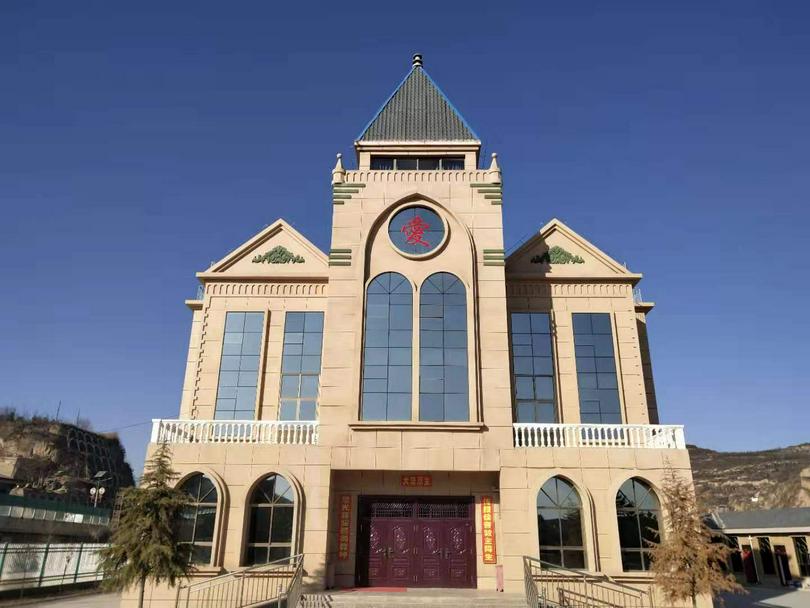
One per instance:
(97, 491)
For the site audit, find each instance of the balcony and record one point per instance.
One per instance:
(541, 435)
(279, 432)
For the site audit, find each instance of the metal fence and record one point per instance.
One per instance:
(19, 507)
(28, 566)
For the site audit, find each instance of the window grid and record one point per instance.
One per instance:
(272, 506)
(559, 522)
(443, 384)
(388, 351)
(637, 510)
(533, 368)
(301, 366)
(198, 518)
(417, 163)
(596, 369)
(802, 554)
(239, 366)
(766, 555)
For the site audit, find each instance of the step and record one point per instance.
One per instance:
(445, 598)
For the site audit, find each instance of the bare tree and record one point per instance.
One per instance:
(689, 560)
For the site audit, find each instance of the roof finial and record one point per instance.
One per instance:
(338, 173)
(417, 60)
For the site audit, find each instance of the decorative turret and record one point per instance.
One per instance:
(338, 173)
(494, 175)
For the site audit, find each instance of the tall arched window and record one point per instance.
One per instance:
(637, 509)
(272, 504)
(198, 519)
(387, 357)
(443, 386)
(559, 522)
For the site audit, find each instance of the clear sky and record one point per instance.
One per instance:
(140, 141)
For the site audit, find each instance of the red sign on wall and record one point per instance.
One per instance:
(488, 530)
(344, 526)
(416, 481)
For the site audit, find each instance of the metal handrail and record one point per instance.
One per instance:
(259, 584)
(578, 589)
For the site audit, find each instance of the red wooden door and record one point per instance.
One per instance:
(460, 543)
(379, 533)
(413, 542)
(431, 563)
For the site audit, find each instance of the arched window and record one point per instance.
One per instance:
(198, 519)
(443, 386)
(387, 357)
(271, 520)
(637, 509)
(559, 522)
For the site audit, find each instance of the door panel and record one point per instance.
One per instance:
(400, 554)
(461, 554)
(379, 536)
(432, 568)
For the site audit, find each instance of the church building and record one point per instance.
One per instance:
(418, 407)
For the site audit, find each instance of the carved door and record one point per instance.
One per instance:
(416, 542)
(431, 568)
(460, 554)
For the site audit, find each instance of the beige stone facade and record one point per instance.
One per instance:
(486, 456)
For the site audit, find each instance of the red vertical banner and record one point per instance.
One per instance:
(488, 530)
(344, 526)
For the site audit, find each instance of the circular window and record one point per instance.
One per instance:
(416, 231)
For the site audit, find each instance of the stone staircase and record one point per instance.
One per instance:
(413, 598)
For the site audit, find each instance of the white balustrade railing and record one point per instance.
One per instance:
(547, 435)
(286, 432)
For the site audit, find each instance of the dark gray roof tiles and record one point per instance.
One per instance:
(798, 518)
(418, 111)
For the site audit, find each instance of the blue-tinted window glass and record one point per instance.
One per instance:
(387, 371)
(532, 368)
(416, 230)
(443, 380)
(301, 366)
(239, 366)
(596, 369)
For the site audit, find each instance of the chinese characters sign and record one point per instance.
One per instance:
(416, 230)
(416, 481)
(488, 530)
(344, 526)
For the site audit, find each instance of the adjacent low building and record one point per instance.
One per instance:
(771, 545)
(418, 407)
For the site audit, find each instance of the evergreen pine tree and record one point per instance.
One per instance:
(144, 546)
(688, 561)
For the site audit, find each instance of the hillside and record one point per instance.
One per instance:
(729, 480)
(51, 459)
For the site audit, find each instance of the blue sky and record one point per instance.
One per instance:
(138, 142)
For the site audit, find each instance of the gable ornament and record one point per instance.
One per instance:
(557, 255)
(278, 255)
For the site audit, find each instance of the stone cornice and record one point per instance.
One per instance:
(629, 278)
(569, 289)
(266, 288)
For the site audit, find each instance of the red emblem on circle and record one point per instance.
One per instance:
(415, 230)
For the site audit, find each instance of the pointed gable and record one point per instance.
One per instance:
(278, 251)
(556, 251)
(418, 110)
